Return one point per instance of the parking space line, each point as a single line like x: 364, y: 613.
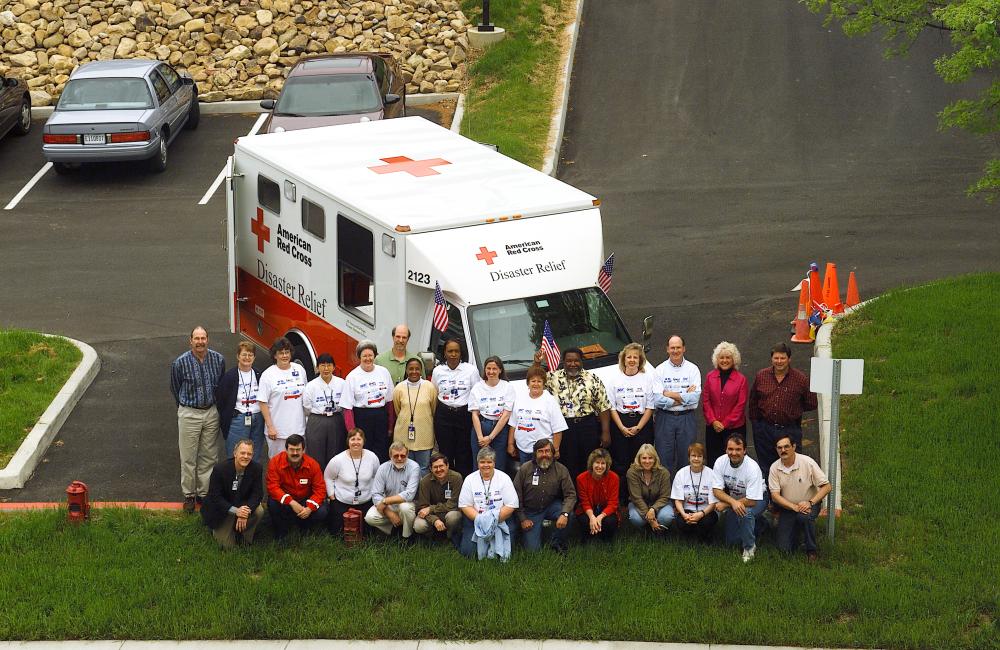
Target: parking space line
x: 222, y: 174
x: 27, y: 187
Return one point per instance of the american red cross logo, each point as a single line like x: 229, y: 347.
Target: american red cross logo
x: 258, y: 228
x: 486, y: 255
x: 410, y: 166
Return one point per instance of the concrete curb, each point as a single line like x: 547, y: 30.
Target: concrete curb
x: 244, y: 107
x: 456, y: 119
x: 558, y: 124
x: 30, y: 453
x: 409, y: 644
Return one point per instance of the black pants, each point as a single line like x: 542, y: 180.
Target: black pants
x: 702, y: 529
x: 375, y: 424
x: 623, y: 450
x: 283, y: 518
x: 582, y: 437
x: 451, y: 430
x: 715, y: 442
x: 766, y: 435
x: 325, y: 437
x: 335, y: 521
x: 609, y: 526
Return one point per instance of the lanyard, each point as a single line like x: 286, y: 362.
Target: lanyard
x: 415, y: 399
x: 486, y: 489
x: 357, y: 469
x: 697, y: 488
x: 247, y: 387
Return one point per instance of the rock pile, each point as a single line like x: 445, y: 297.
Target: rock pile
x: 233, y: 49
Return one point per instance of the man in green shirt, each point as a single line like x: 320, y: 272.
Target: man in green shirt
x: 394, y: 359
x: 437, y: 500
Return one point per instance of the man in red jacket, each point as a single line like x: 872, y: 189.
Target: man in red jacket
x: 295, y: 489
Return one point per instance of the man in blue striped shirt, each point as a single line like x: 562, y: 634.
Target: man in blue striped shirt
x: 193, y: 378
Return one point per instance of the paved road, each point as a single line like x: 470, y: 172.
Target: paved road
x: 731, y: 144
x: 734, y: 142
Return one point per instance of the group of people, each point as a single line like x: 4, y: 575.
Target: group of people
x: 398, y: 448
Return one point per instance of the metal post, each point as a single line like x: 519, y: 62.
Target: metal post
x: 486, y: 26
x: 831, y: 508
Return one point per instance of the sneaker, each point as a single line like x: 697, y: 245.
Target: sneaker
x: 748, y: 553
x: 189, y: 504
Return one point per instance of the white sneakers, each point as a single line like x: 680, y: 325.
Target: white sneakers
x: 748, y: 553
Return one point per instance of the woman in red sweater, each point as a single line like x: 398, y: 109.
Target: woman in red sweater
x: 723, y: 398
x: 597, y: 498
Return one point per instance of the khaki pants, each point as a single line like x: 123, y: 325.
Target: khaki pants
x: 200, y: 445
x: 226, y: 534
x: 452, y: 522
x: 406, y: 512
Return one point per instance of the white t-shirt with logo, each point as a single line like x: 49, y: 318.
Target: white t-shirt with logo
x: 739, y: 482
x: 694, y: 490
x: 488, y: 495
x: 319, y: 395
x: 246, y: 391
x: 454, y: 386
x: 282, y: 391
x: 678, y: 379
x: 367, y: 390
x: 633, y: 394
x: 491, y: 401
x: 535, y: 419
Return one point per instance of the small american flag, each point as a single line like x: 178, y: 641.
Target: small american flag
x: 549, y: 347
x: 440, y: 310
x: 604, y: 275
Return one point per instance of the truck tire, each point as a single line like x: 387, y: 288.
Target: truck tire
x: 300, y: 355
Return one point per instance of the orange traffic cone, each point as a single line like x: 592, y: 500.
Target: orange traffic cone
x: 831, y: 289
x: 801, y: 334
x: 815, y: 288
x: 852, y: 291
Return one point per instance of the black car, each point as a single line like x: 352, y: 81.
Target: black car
x: 15, y: 106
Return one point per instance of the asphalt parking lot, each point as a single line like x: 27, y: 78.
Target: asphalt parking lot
x: 127, y: 261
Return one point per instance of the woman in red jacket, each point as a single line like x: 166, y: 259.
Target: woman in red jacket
x: 597, y: 498
x: 723, y: 398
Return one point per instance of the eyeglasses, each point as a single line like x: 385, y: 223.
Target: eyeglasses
x: 784, y: 446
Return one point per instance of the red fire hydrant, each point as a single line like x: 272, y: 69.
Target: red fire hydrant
x: 352, y: 527
x: 78, y: 500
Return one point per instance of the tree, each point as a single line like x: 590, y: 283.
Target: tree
x: 972, y: 25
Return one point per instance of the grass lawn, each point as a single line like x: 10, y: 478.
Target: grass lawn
x: 510, y: 98
x: 914, y: 565
x: 33, y: 368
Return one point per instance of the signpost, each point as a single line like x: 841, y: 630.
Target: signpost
x: 835, y: 377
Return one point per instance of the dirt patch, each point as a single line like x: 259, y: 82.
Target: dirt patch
x: 442, y: 112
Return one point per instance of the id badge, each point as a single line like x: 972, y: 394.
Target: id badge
x: 236, y: 485
x: 411, y: 432
x: 447, y: 492
x: 357, y: 495
x: 328, y: 411
x: 247, y: 419
x: 534, y: 479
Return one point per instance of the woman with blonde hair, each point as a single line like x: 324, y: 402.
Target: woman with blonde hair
x: 631, y: 392
x: 723, y: 400
x: 649, y: 491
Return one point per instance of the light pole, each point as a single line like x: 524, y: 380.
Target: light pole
x: 485, y: 25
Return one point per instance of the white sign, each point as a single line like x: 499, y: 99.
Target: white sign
x: 851, y: 374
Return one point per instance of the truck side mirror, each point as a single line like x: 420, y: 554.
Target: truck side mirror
x: 267, y: 104
x: 429, y: 361
x: 391, y: 98
x: 647, y: 332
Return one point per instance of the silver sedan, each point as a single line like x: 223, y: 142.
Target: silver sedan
x: 118, y: 111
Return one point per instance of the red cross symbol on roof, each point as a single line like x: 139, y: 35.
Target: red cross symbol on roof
x: 258, y: 228
x: 410, y: 166
x: 486, y: 255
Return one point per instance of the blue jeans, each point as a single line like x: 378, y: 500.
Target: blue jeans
x: 254, y: 433
x: 673, y: 434
x: 766, y: 436
x: 499, y: 444
x: 422, y: 458
x: 790, y: 524
x: 524, y: 456
x: 532, y: 539
x: 745, y: 529
x: 665, y: 516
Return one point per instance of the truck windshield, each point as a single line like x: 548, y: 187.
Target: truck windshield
x: 512, y: 329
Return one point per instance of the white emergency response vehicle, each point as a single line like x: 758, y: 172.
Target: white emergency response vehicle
x: 336, y: 234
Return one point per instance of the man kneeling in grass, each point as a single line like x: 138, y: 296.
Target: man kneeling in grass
x: 798, y: 487
x: 232, y: 506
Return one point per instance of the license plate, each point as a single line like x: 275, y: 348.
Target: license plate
x: 93, y: 138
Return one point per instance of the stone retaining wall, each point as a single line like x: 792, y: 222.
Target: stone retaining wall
x: 233, y: 50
